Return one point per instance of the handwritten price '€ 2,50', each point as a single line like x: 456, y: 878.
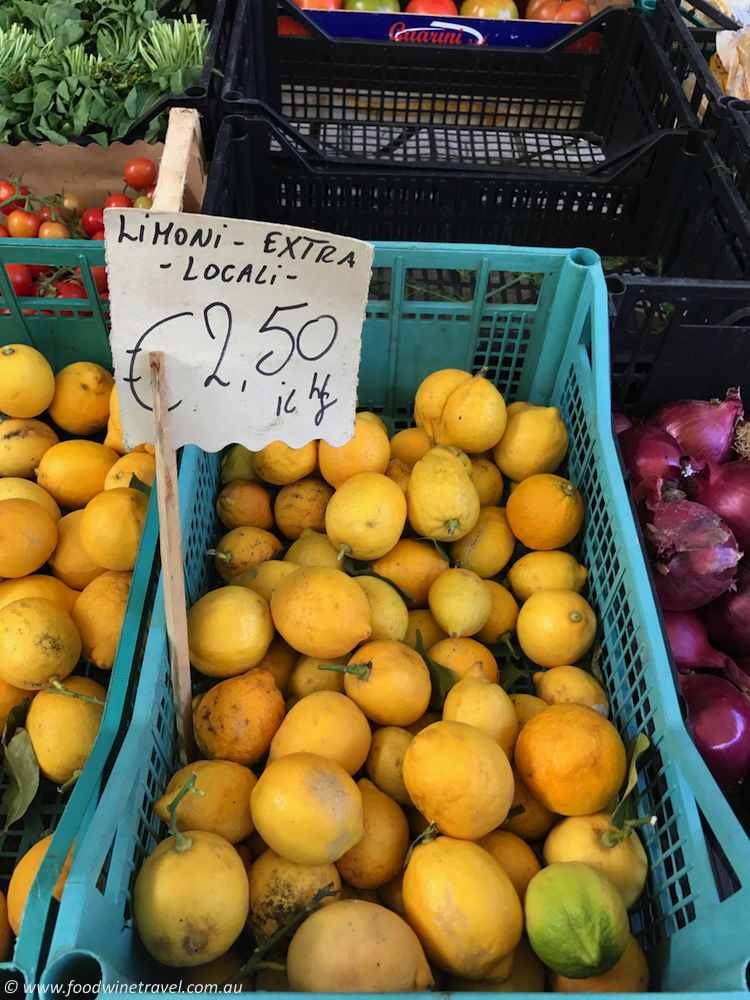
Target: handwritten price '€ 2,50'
x: 312, y: 342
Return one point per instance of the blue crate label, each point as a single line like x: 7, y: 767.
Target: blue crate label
x: 260, y: 325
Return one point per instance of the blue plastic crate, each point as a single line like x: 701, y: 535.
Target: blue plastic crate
x: 63, y: 340
x: 542, y: 334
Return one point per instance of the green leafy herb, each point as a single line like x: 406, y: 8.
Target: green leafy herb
x: 443, y: 678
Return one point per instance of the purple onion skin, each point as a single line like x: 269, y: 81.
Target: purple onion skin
x: 719, y: 716
x: 726, y: 490
x: 650, y: 454
x: 624, y: 421
x: 703, y: 430
x: 728, y: 617
x: 688, y: 640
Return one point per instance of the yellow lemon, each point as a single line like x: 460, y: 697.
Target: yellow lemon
x: 98, y: 615
x: 488, y: 481
x: 377, y: 420
x: 224, y: 807
x: 27, y: 383
x: 217, y: 972
x: 432, y: 396
x: 487, y: 547
x: 629, y: 975
x: 571, y: 684
x: 63, y: 729
x: 243, y: 548
x: 313, y: 548
x: 81, y: 401
x: 24, y: 874
x: 428, y: 628
x: 528, y: 976
x: 380, y: 854
x: 535, y: 441
x: 368, y: 451
x: 307, y: 678
x: 22, y: 444
x: 459, y: 778
x: 307, y: 809
x: 73, y: 472
x: 545, y: 512
x: 264, y: 577
x: 328, y: 724
x: 302, y: 505
x: 460, y: 655
x: 389, y: 681
x: 280, y: 465
x: 501, y: 623
x: 413, y: 566
x: 69, y: 562
x: 389, y: 618
x: 365, y: 516
x: 244, y: 504
x: 11, y: 696
x: 536, y: 820
x: 238, y: 464
x: 514, y: 856
x: 229, y: 631
x: 111, y: 527
x: 473, y: 418
x: 555, y: 627
x: 321, y: 612
x: 399, y: 473
x: 28, y: 536
x: 551, y: 570
x: 280, y: 888
x: 463, y: 907
x: 460, y: 602
x: 442, y: 501
x: 410, y: 445
x: 385, y: 762
x: 14, y: 488
x: 526, y: 706
x: 237, y: 718
x: 391, y: 894
x: 280, y: 661
x: 136, y: 463
x: 480, y: 703
x: 423, y: 722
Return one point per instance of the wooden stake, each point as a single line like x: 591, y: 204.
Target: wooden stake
x: 172, y: 571
x: 184, y: 123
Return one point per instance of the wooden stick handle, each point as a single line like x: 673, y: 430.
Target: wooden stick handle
x: 172, y: 572
x: 170, y: 186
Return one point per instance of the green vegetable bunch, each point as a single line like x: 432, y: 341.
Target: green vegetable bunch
x: 71, y: 68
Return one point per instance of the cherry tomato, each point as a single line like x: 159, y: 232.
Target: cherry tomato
x: 570, y: 11
x: 118, y: 201
x: 39, y: 270
x: 23, y: 225
x: 53, y: 231
x: 503, y: 10
x: 437, y: 8
x: 589, y: 43
x: 20, y: 278
x: 3, y: 232
x: 48, y: 213
x: 151, y: 192
x: 7, y: 190
x: 139, y: 173
x: 99, y: 235
x: 99, y: 274
x: 142, y: 202
x: 288, y: 26
x: 92, y: 220
x: 74, y: 205
x: 70, y: 290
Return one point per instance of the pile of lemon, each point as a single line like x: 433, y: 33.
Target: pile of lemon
x: 328, y: 746
x: 70, y: 527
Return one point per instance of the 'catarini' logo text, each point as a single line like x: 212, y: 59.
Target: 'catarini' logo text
x: 438, y: 33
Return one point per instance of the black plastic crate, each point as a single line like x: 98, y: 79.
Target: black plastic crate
x: 457, y: 107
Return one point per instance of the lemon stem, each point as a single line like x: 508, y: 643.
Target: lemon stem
x: 225, y: 557
x: 70, y: 782
x: 58, y: 688
x: 274, y: 966
x: 452, y: 525
x: 8, y: 350
x: 255, y: 962
x: 344, y: 550
x: 504, y: 640
x: 426, y: 836
x: 611, y: 838
x: 361, y: 670
x: 575, y: 616
x: 482, y: 372
x: 182, y: 843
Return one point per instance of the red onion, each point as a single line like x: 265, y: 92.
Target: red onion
x: 719, y: 716
x: 689, y: 641
x: 739, y: 673
x: 650, y: 454
x: 728, y: 618
x: 705, y: 431
x: 726, y: 490
x: 696, y: 554
x: 624, y: 421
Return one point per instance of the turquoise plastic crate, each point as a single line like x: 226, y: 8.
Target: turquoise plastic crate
x: 64, y: 339
x: 545, y: 341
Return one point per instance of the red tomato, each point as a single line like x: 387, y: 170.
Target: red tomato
x: 118, y: 201
x: 569, y: 11
x: 99, y: 235
x: 151, y: 192
x: 70, y: 290
x: 288, y: 26
x: 39, y: 270
x: 99, y: 274
x: 503, y: 10
x: 23, y: 225
x: 318, y: 4
x: 139, y: 173
x: 20, y: 278
x: 3, y: 232
x: 589, y: 43
x: 437, y: 8
x: 53, y: 231
x: 7, y: 190
x: 74, y: 205
x: 92, y: 220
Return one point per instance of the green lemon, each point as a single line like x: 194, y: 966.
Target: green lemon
x: 576, y: 920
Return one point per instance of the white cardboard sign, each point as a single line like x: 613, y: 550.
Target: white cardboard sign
x: 260, y: 325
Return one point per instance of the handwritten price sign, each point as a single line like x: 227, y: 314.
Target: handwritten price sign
x: 260, y: 325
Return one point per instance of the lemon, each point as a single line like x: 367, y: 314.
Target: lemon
x: 368, y: 451
x: 111, y: 527
x: 487, y: 547
x: 280, y: 888
x: 22, y: 444
x: 224, y: 807
x: 281, y: 465
x: 526, y: 707
x: 280, y: 661
x: 243, y: 548
x: 629, y: 975
x: 390, y: 683
x: 413, y: 566
x: 307, y: 678
x: 63, y: 729
x: 571, y: 684
x: 442, y: 501
x: 136, y: 463
x: 399, y: 473
x: 576, y: 920
x: 460, y: 602
x: 328, y: 724
x: 69, y: 562
x: 535, y: 441
x: 11, y: 696
x: 432, y: 396
x: 38, y: 640
x: 422, y: 621
x: 81, y: 401
x: 13, y: 488
x: 190, y: 906
x: 264, y: 577
x: 237, y: 718
x: 480, y: 703
x: 321, y: 612
x: 410, y: 445
x: 385, y: 762
x: 307, y: 809
x: 27, y: 383
x: 536, y: 820
x: 238, y: 464
x: 555, y: 627
x: 473, y: 418
x: 229, y: 631
x: 528, y: 976
x: 545, y: 512
x: 550, y: 570
x: 74, y: 472
x: 460, y: 778
x: 28, y: 536
x: 313, y: 548
x: 460, y: 655
x: 514, y: 856
x: 244, y: 504
x: 302, y: 505
x: 501, y: 623
x: 488, y: 481
x: 391, y: 894
x: 463, y: 907
x: 23, y: 876
x: 374, y: 418
x: 98, y: 615
x: 380, y: 854
x: 365, y: 516
x: 389, y: 618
